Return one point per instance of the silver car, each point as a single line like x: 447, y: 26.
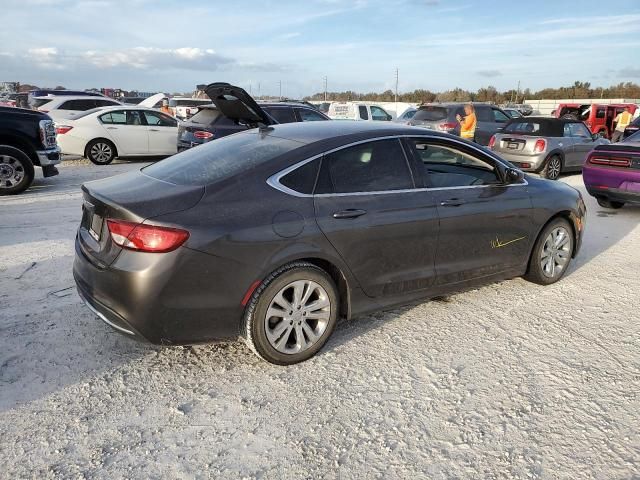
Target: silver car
x: 548, y: 146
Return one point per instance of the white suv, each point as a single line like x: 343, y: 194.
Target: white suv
x: 184, y: 108
x: 357, y: 111
x: 59, y: 107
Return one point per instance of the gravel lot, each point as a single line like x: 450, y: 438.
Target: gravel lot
x: 511, y: 380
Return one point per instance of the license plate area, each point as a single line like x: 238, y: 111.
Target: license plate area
x: 513, y: 145
x: 92, y: 221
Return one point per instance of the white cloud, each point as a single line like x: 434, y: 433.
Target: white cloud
x: 188, y: 58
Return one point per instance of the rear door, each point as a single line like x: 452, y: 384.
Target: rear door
x: 383, y: 228
x: 128, y: 131
x: 485, y: 225
x: 162, y: 131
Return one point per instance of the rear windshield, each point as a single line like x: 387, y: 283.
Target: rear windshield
x: 205, y: 116
x: 187, y: 102
x: 431, y: 114
x: 38, y: 102
x: 220, y: 159
x: 522, y: 126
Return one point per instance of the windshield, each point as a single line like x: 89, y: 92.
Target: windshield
x: 221, y: 159
x: 205, y: 116
x: 431, y: 114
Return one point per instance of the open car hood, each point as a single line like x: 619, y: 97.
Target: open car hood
x: 235, y: 103
x: 152, y: 100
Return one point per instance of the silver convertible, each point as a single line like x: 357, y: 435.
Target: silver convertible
x: 548, y: 146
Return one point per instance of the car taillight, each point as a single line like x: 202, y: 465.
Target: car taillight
x: 146, y: 238
x: 611, y: 161
x: 62, y: 129
x: 447, y: 126
x: 540, y: 146
x: 202, y: 135
x: 492, y: 141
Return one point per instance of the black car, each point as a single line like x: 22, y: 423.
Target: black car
x: 222, y: 118
x: 274, y: 233
x: 442, y: 117
x: 633, y: 127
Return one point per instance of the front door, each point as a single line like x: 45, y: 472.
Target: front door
x: 485, y: 225
x: 385, y: 230
x: 126, y: 128
x: 163, y: 133
x: 583, y: 143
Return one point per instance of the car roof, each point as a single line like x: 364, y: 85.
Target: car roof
x: 456, y: 104
x: 284, y: 104
x: 74, y: 97
x: 546, y: 119
x: 309, y: 132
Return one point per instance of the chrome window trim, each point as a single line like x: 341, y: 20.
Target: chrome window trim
x: 274, y: 180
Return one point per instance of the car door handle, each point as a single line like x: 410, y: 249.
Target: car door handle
x: 452, y: 202
x: 112, y: 128
x: 349, y: 213
x: 154, y: 130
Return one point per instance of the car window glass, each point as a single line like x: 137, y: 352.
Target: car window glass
x: 378, y: 113
x: 134, y: 117
x: 206, y: 116
x: 566, y: 131
x: 80, y: 105
x: 159, y: 119
x: 367, y: 167
x: 579, y: 130
x: 409, y: 115
x: 499, y: 117
x: 430, y: 114
x: 308, y: 115
x: 523, y: 127
x: 483, y: 114
x: 104, y: 103
x: 281, y: 115
x: 115, y: 118
x: 362, y: 109
x: 303, y: 178
x: 444, y: 166
x: 600, y: 113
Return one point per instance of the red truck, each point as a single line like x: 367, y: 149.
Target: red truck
x: 598, y: 117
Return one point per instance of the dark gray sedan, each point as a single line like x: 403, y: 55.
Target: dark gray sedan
x: 273, y: 234
x: 548, y: 146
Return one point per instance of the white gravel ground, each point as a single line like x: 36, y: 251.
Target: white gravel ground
x: 509, y: 381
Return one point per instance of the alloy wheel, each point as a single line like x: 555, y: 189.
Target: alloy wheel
x: 101, y: 152
x: 12, y: 171
x: 553, y: 170
x: 556, y: 252
x: 297, y: 316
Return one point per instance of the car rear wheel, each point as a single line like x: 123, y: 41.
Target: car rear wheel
x: 606, y: 203
x: 551, y: 253
x: 552, y: 168
x: 16, y: 171
x: 291, y: 314
x: 101, y: 151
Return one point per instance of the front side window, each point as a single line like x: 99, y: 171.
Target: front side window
x: 118, y: 117
x: 579, y: 130
x: 379, y: 114
x: 444, y: 166
x: 483, y: 114
x: 308, y: 115
x: 499, y: 117
x: 368, y: 167
x: 362, y: 109
x: 158, y: 119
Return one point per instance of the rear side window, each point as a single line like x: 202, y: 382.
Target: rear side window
x: 364, y: 114
x: 303, y: 178
x: 114, y: 118
x: 80, y: 105
x: 499, y: 117
x: 431, y: 114
x: 600, y: 113
x: 105, y: 103
x: 524, y: 127
x: 224, y: 158
x: 308, y: 115
x: 367, y: 167
x: 282, y: 115
x: 484, y: 114
x: 39, y: 102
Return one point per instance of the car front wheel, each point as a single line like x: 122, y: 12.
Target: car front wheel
x: 291, y: 314
x: 552, y: 168
x: 16, y: 170
x: 551, y: 253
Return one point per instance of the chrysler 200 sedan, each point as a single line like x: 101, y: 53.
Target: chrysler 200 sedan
x: 275, y: 233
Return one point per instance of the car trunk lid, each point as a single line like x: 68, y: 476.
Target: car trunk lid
x: 133, y: 197
x: 236, y: 104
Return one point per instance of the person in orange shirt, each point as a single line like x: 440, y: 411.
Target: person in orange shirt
x: 467, y: 123
x: 165, y: 107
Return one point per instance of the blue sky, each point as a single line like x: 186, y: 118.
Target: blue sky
x: 172, y: 45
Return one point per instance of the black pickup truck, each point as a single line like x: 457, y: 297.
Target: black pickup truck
x: 27, y: 140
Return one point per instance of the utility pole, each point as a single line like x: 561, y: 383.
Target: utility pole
x: 325, y: 88
x: 396, y: 87
x: 280, y: 89
x: 258, y: 89
x: 518, y: 92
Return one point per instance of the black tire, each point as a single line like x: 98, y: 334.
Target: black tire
x: 101, y: 151
x: 535, y: 272
x: 552, y: 168
x: 16, y: 170
x: 606, y: 203
x: 254, y: 328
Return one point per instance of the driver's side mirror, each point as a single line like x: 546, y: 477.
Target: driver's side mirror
x: 388, y: 117
x: 513, y: 175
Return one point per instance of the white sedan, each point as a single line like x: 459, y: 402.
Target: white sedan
x: 103, y: 134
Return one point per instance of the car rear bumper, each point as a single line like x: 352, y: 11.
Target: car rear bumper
x: 527, y: 163
x: 617, y: 184
x: 50, y: 156
x: 164, y: 299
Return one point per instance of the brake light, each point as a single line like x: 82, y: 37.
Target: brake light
x: 447, y: 126
x: 613, y: 161
x: 146, y: 238
x: 540, y: 146
x: 202, y: 135
x: 62, y: 129
x: 492, y: 141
